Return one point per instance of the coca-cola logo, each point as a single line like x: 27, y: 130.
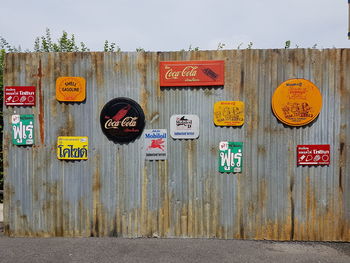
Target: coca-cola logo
x: 189, y: 71
x: 122, y: 120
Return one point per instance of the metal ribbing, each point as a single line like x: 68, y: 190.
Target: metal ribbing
x: 116, y: 193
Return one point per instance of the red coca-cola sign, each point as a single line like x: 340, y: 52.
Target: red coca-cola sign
x: 122, y: 120
x: 191, y: 73
x: 19, y: 96
x: 313, y: 154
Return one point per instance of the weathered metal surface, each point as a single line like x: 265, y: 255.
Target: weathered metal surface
x: 116, y: 193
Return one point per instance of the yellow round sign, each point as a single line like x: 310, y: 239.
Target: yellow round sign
x: 296, y: 102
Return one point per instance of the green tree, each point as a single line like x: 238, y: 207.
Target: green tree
x: 110, y: 47
x: 65, y: 43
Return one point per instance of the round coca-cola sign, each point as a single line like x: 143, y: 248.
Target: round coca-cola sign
x: 122, y: 120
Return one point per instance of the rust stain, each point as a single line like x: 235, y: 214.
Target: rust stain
x: 239, y: 222
x: 39, y: 75
x: 54, y: 209
x: 144, y: 100
x: 262, y: 149
x: 98, y: 63
x: 120, y: 181
x: 9, y: 192
x: 6, y: 143
x: 290, y: 171
x: 142, y: 69
x: 53, y: 107
x: 156, y: 84
x: 69, y: 125
x: 342, y: 159
x: 190, y: 147
x: 273, y: 131
x: 116, y: 67
x: 144, y: 203
x: 96, y: 188
x: 97, y: 176
x: 262, y: 194
x: 207, y: 205
x: 214, y: 150
x: 163, y: 211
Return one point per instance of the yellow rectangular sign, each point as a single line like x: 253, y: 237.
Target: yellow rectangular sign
x: 71, y: 89
x: 72, y: 148
x: 229, y: 113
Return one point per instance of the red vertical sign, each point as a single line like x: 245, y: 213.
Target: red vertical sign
x: 313, y: 154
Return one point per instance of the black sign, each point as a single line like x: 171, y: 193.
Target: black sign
x: 122, y: 120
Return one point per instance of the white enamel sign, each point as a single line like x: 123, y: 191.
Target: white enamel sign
x: 184, y: 126
x: 155, y: 144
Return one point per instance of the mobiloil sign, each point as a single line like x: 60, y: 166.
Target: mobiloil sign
x: 122, y: 120
x: 155, y: 144
x: 230, y: 157
x: 22, y: 129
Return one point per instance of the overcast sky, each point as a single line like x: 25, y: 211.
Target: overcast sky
x: 164, y: 25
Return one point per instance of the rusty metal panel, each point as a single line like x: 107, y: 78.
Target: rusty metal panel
x: 116, y: 193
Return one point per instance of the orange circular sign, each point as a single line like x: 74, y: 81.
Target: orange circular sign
x: 296, y: 102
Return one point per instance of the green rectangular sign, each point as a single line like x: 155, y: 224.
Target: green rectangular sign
x: 230, y: 157
x: 23, y: 129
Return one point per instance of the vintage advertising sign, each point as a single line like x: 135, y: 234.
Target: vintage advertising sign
x: 19, y: 96
x: 184, y: 126
x: 192, y: 73
x: 72, y: 148
x: 297, y: 102
x: 155, y: 144
x: 230, y: 157
x: 313, y: 154
x: 22, y: 129
x: 229, y: 113
x: 71, y: 89
x: 122, y: 120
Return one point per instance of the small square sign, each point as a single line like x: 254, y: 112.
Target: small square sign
x: 19, y: 96
x: 22, y: 129
x: 70, y: 89
x: 229, y: 113
x: 155, y: 144
x: 184, y: 126
x: 72, y: 148
x: 317, y: 154
x: 230, y: 157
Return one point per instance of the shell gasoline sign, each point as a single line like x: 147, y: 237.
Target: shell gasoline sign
x: 71, y: 89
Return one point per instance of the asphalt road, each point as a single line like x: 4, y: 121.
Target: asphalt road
x: 167, y: 250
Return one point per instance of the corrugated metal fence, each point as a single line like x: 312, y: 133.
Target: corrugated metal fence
x: 117, y: 193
